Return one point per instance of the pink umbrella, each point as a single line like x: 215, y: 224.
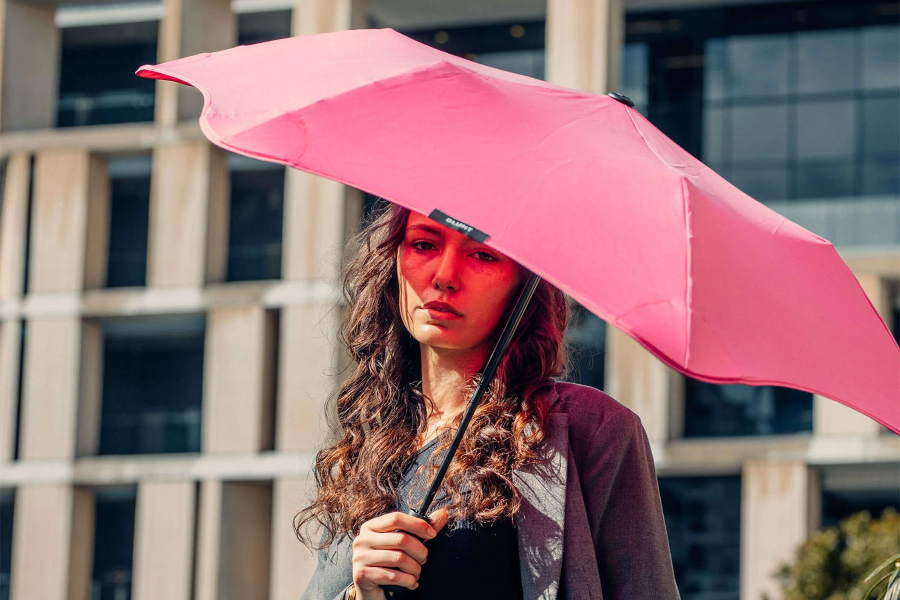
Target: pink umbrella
x: 577, y: 187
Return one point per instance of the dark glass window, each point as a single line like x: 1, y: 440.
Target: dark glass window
x: 586, y: 339
x: 895, y: 313
x: 3, y: 165
x: 19, y: 387
x: 97, y: 84
x: 7, y: 504
x: 516, y: 47
x: 713, y: 410
x: 837, y: 505
x: 152, y: 385
x: 849, y: 489
x: 256, y: 221
x: 128, y: 222
x: 787, y: 101
x: 113, y: 543
x: 257, y: 27
x: 25, y: 273
x: 703, y: 523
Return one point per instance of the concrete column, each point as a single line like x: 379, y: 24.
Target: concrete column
x: 234, y: 540
x: 780, y: 508
x: 292, y: 563
x: 246, y: 541
x: 644, y: 384
x: 189, y: 27
x: 584, y: 41
x: 315, y: 207
x: 239, y: 380
x: 13, y: 225
x: 90, y: 389
x: 309, y: 351
x: 833, y: 418
x: 164, y: 540
x: 28, y: 71
x: 209, y: 517
x: 10, y: 341
x: 71, y: 189
x: 322, y: 16
x: 52, y: 549
x: 50, y: 393
x: 188, y: 215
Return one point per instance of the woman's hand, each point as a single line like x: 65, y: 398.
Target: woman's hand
x: 384, y: 556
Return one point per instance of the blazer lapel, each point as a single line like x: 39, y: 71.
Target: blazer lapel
x: 542, y: 512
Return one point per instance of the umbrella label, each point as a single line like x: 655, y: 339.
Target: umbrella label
x: 444, y: 219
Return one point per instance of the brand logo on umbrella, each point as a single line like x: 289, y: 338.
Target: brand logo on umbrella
x: 452, y: 223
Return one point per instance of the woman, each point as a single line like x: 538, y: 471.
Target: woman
x: 553, y: 491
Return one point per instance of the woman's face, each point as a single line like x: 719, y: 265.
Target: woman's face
x: 438, y: 264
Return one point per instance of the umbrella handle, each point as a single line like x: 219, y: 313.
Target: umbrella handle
x: 396, y: 592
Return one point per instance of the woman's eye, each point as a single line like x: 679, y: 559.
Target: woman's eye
x: 490, y: 258
x: 420, y: 242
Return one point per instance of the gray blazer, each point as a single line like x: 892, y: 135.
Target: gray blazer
x: 591, y: 524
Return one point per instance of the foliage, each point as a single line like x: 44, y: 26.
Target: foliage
x: 834, y: 563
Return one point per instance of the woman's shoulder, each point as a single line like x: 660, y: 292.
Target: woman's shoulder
x: 590, y: 410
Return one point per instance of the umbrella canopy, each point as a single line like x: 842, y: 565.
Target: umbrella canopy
x: 579, y: 188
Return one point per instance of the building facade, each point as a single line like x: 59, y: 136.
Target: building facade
x: 169, y: 311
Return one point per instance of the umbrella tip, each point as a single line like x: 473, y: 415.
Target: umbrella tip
x: 621, y: 98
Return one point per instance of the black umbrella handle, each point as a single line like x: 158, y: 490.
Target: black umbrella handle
x: 487, y: 375
x: 395, y: 592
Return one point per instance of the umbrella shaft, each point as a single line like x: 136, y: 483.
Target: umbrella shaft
x: 486, y: 377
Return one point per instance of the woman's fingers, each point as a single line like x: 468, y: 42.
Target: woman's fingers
x: 382, y: 576
x: 395, y: 540
x: 393, y: 559
x: 398, y: 520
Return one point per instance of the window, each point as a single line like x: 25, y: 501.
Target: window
x: 795, y: 115
x: 152, y: 385
x: 256, y: 221
x: 849, y: 489
x: 895, y: 311
x: 128, y: 221
x: 113, y: 543
x: 714, y: 410
x: 257, y: 27
x: 97, y: 84
x: 703, y: 523
x: 586, y: 338
x: 7, y: 504
x: 787, y: 102
x: 19, y: 388
x: 516, y: 47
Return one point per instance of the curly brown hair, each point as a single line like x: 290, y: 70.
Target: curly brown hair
x: 381, y: 408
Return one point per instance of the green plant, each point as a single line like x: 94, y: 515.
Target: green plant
x: 843, y: 562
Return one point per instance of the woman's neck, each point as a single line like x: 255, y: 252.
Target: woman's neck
x: 444, y: 377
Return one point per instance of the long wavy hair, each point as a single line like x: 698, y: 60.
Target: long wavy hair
x: 381, y: 408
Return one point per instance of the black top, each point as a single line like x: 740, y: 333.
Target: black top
x: 465, y: 560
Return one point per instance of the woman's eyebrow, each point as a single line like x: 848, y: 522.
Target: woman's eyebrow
x: 426, y: 228
x: 434, y: 230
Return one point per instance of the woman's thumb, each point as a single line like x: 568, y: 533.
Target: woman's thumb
x: 439, y: 518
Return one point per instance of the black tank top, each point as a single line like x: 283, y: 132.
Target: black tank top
x: 466, y: 559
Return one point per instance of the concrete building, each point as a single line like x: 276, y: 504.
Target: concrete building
x: 168, y: 312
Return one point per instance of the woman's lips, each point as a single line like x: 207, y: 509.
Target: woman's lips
x: 441, y: 314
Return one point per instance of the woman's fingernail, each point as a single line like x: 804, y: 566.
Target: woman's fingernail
x: 431, y: 532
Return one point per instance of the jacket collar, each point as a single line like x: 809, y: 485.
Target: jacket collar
x: 540, y: 522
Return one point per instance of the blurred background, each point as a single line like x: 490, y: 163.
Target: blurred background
x: 169, y: 311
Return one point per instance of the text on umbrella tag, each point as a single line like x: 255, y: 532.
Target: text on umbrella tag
x: 444, y: 219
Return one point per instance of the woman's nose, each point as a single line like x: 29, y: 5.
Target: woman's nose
x: 446, y: 277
